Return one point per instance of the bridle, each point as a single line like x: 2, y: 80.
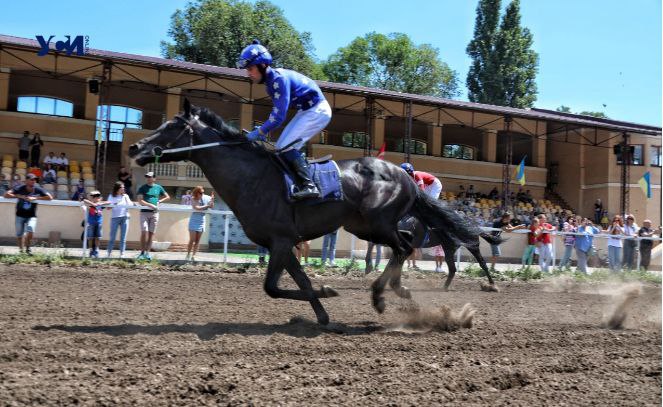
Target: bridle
x: 192, y: 127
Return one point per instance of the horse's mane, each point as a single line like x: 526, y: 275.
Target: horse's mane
x: 216, y: 122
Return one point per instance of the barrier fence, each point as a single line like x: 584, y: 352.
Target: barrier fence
x: 227, y: 214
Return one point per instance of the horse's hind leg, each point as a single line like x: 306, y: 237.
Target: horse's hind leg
x: 395, y: 280
x: 482, y: 263
x: 368, y: 260
x: 450, y: 252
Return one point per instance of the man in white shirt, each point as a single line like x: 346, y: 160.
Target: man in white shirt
x: 50, y: 159
x: 63, y: 162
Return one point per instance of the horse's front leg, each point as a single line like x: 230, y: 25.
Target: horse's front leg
x: 304, y: 283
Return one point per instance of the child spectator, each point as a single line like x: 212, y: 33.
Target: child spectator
x: 50, y: 176
x: 569, y: 241
x: 186, y: 198
x: 531, y: 242
x: 200, y: 203
x: 94, y: 221
x: 605, y: 220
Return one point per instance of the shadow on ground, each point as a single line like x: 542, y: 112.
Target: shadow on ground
x: 297, y: 327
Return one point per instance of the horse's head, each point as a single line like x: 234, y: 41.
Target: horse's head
x: 192, y: 127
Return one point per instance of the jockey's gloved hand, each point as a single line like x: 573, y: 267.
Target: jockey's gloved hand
x: 255, y: 135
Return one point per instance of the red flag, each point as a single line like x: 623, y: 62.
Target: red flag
x: 381, y: 152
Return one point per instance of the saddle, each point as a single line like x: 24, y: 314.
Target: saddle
x: 326, y: 175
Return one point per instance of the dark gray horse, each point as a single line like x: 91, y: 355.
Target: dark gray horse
x: 249, y: 179
x: 422, y: 237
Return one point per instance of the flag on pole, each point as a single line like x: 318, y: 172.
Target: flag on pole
x: 645, y: 184
x: 381, y: 152
x: 520, y: 172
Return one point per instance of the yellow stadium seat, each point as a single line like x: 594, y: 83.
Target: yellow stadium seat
x: 74, y: 168
x: 21, y: 164
x: 7, y: 170
x: 7, y: 163
x: 86, y: 164
x: 21, y: 171
x: 88, y: 176
x: 89, y: 189
x: 62, y: 174
x: 73, y: 163
x: 8, y: 157
x: 62, y: 180
x: 87, y: 170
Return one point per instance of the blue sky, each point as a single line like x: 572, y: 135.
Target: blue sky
x: 592, y: 52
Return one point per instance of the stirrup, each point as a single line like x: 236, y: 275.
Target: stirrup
x: 307, y: 193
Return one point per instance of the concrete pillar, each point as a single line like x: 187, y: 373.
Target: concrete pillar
x: 246, y: 116
x: 91, y: 105
x: 489, y: 146
x: 539, y: 151
x: 173, y: 102
x: 434, y: 141
x: 4, y: 88
x: 377, y: 132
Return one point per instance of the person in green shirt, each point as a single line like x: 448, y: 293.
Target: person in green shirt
x: 150, y: 195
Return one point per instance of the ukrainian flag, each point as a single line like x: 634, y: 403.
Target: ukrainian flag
x: 645, y: 184
x: 520, y: 172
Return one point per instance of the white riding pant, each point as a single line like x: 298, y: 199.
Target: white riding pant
x: 433, y: 190
x: 305, y: 125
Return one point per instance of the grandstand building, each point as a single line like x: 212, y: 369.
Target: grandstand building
x: 94, y: 106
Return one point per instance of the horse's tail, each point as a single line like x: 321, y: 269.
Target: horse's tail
x: 445, y: 222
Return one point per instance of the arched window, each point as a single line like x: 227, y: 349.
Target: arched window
x: 458, y: 151
x: 45, y: 105
x: 114, y: 118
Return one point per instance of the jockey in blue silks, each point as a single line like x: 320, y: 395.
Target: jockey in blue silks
x: 288, y: 88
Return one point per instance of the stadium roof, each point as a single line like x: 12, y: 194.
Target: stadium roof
x: 239, y: 74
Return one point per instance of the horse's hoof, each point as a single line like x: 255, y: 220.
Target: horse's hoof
x: 445, y: 288
x: 328, y: 292
x: 367, y: 270
x: 489, y: 288
x: 379, y: 305
x: 405, y: 293
x: 323, y: 319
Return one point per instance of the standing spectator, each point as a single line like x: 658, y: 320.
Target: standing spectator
x: 94, y: 221
x: 630, y: 245
x: 186, y: 198
x: 598, y: 211
x: 262, y: 253
x: 150, y: 195
x: 35, y: 150
x: 50, y: 159
x: 119, y: 217
x: 79, y: 194
x: 24, y: 146
x: 494, y: 193
x: 461, y: 192
x: 471, y: 193
x: 545, y: 244
x: 646, y: 245
x: 378, y: 255
x: 26, y: 210
x: 616, y: 231
x: 63, y: 162
x: 531, y: 242
x: 438, y: 252
x: 302, y: 249
x: 50, y: 176
x: 583, y: 243
x: 125, y: 177
x: 569, y: 241
x: 605, y: 220
x: 329, y: 248
x: 200, y: 203
x: 503, y: 223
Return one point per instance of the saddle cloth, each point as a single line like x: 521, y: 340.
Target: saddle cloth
x: 327, y: 177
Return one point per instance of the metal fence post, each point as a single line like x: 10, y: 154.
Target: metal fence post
x: 225, y: 238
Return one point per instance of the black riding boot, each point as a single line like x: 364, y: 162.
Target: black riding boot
x: 305, y: 186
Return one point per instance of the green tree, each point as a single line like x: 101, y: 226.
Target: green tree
x: 482, y: 76
x: 215, y: 31
x: 504, y: 67
x: 566, y: 109
x: 392, y: 62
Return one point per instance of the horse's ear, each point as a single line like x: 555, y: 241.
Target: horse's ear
x: 187, y: 107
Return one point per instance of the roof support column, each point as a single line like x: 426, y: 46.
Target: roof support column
x: 5, y: 73
x: 377, y: 132
x: 173, y: 102
x: 539, y: 151
x: 434, y: 140
x: 489, y: 146
x: 246, y: 116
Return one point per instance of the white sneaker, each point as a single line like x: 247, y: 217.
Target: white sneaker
x: 438, y: 270
x: 193, y: 258
x: 187, y: 258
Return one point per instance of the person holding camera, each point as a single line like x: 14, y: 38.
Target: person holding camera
x: 615, y: 243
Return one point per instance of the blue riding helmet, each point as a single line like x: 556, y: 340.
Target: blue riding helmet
x: 407, y: 167
x: 254, y: 54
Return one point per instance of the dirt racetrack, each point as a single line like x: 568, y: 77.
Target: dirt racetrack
x: 104, y: 336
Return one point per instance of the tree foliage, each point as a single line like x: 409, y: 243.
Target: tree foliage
x: 504, y: 67
x: 392, y: 62
x: 566, y: 109
x: 215, y: 31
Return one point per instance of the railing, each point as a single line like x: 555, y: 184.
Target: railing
x: 163, y: 170
x: 176, y: 170
x: 193, y: 171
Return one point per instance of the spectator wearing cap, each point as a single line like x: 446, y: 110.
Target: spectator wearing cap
x: 94, y: 221
x: 151, y: 195
x: 26, y: 210
x: 503, y: 223
x: 24, y: 146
